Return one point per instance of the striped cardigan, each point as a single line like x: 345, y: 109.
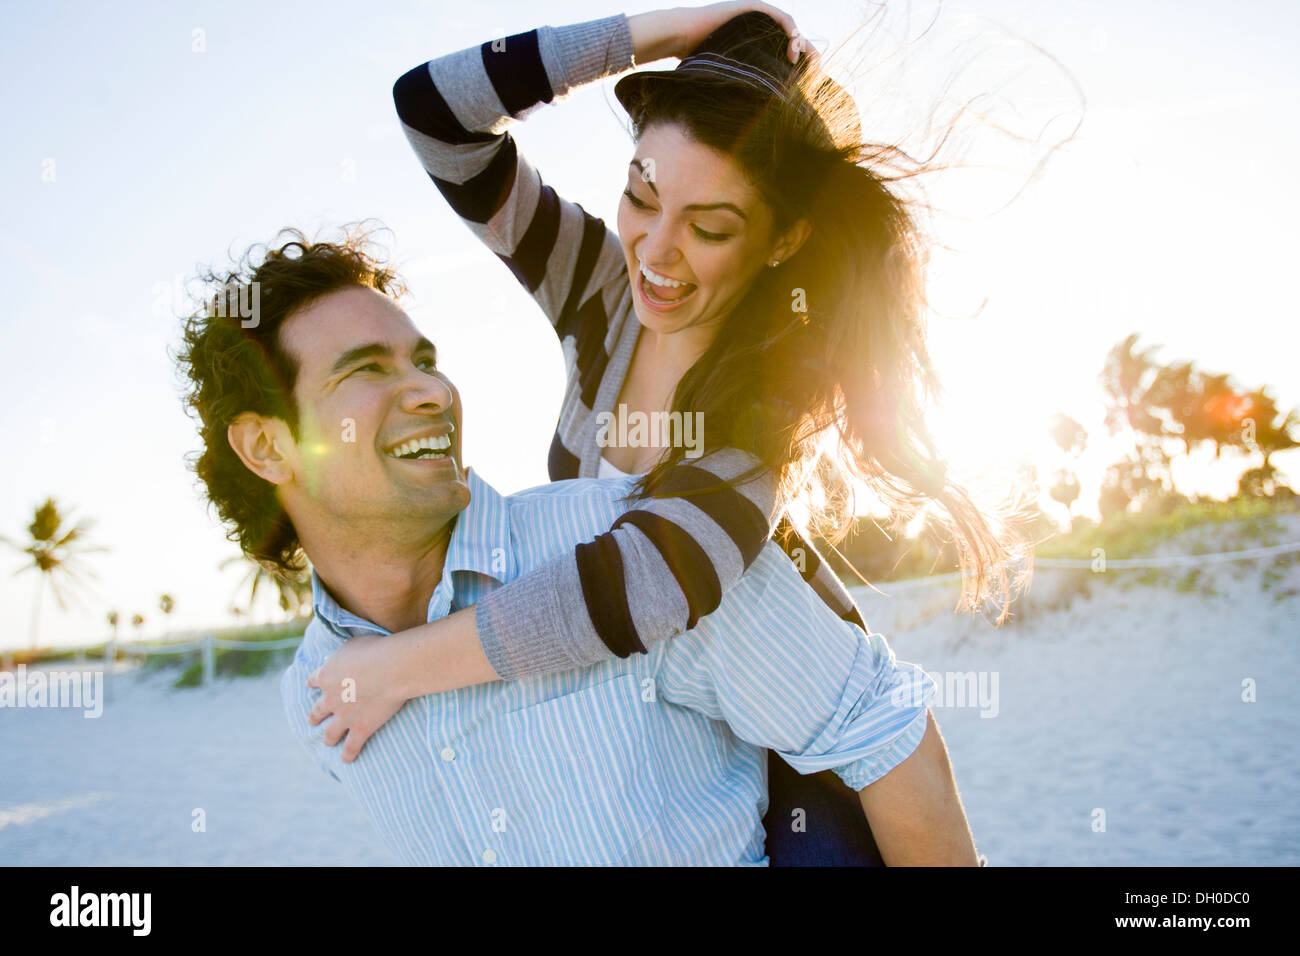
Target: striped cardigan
x: 665, y: 564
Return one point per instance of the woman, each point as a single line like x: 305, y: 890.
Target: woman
x: 763, y: 281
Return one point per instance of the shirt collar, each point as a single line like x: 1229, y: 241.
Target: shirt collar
x: 480, y: 543
x: 332, y: 614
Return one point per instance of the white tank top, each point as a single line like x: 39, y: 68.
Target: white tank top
x: 606, y: 470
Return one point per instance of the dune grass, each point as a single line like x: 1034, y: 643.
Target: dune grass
x: 227, y: 662
x: 1137, y: 534
x: 1140, y: 533
x: 1249, y: 522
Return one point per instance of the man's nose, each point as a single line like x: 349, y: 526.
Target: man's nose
x: 424, y: 392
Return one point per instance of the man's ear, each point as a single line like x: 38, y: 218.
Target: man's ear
x: 792, y: 241
x: 264, y: 445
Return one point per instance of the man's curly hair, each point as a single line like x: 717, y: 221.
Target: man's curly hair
x: 230, y: 369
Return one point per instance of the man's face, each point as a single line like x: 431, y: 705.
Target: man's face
x: 379, y: 425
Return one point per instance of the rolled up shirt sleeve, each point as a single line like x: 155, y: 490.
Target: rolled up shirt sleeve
x: 784, y: 672
x: 880, y: 721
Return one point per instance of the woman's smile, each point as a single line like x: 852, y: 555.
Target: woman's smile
x: 661, y: 293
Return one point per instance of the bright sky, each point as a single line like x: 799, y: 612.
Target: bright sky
x: 1171, y: 212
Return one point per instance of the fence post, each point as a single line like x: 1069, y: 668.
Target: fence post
x: 110, y: 656
x: 209, y: 660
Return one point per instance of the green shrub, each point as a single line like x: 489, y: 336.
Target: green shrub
x: 192, y: 677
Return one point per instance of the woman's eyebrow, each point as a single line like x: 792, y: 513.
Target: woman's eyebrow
x: 705, y: 207
x: 693, y: 207
x: 636, y: 163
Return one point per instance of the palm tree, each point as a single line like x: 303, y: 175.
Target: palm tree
x: 1127, y: 481
x: 114, y: 619
x: 166, y: 604
x: 1221, y: 411
x: 1065, y: 490
x: 1270, y: 435
x: 1072, y: 439
x: 293, y: 593
x: 1177, y: 391
x: 1126, y: 379
x: 1069, y: 435
x: 55, y: 550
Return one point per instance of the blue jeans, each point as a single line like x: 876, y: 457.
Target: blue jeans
x: 836, y: 832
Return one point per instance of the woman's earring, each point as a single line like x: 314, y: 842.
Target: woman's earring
x: 775, y: 263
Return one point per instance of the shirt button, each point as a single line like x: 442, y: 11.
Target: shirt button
x: 489, y: 856
x: 448, y: 754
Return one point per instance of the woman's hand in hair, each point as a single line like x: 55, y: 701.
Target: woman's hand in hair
x: 678, y: 31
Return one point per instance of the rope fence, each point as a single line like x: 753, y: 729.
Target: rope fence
x: 1171, y: 561
x: 207, y: 645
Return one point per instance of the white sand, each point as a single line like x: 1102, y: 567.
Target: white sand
x: 121, y: 789
x: 1128, y: 701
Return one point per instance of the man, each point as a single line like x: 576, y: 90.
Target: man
x: 329, y: 431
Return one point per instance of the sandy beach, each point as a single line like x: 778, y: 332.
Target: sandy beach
x: 1109, y: 731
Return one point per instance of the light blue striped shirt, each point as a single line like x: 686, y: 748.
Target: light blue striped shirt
x: 655, y: 759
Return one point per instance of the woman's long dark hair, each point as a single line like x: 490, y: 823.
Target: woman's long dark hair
x: 853, y: 368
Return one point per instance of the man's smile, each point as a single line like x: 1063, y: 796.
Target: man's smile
x: 433, y: 443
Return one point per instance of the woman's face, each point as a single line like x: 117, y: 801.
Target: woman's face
x: 689, y: 214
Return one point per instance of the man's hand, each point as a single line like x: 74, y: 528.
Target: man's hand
x: 361, y: 687
x: 915, y: 812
